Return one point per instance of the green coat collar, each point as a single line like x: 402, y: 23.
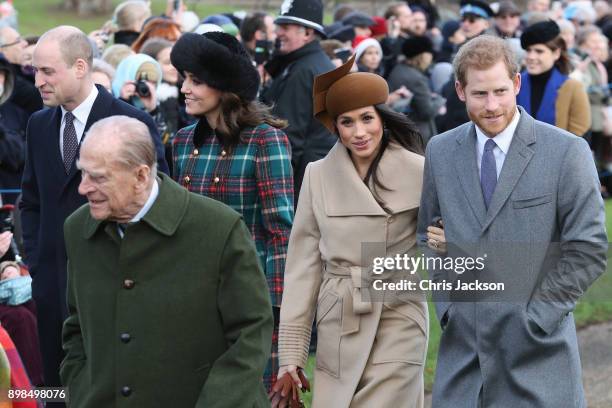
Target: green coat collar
x: 164, y: 216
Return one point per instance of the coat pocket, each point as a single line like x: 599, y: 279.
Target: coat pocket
x: 531, y: 202
x: 329, y: 330
x: 402, y: 335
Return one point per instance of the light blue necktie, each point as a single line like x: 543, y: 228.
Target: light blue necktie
x: 488, y: 172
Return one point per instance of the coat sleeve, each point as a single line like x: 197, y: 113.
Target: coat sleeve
x: 275, y: 189
x: 429, y: 212
x: 302, y: 281
x: 30, y: 205
x: 72, y: 340
x: 235, y: 378
x: 579, y: 120
x: 583, y: 240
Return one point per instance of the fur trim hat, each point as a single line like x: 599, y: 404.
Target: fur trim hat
x: 340, y: 90
x: 361, y: 44
x: 219, y: 60
x: 414, y: 46
x: 539, y: 33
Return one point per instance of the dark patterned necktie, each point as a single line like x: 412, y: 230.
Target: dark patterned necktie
x: 488, y: 172
x: 70, y: 144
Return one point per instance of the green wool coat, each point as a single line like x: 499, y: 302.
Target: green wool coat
x: 175, y: 314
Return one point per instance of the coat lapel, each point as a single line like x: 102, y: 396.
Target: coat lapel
x: 519, y: 155
x: 57, y: 163
x: 467, y: 170
x: 345, y: 194
x: 99, y: 110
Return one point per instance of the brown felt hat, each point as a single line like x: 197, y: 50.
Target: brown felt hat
x: 339, y: 91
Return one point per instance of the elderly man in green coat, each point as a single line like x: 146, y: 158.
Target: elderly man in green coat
x: 168, y: 304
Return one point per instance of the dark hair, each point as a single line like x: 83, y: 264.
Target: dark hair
x: 237, y: 114
x: 399, y: 130
x: 251, y: 24
x: 563, y: 64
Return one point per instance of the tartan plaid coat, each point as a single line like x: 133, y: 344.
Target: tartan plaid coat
x: 255, y: 178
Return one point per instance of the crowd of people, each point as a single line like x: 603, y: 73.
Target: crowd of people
x: 420, y: 126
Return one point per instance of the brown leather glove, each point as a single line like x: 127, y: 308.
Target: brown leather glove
x: 286, y: 394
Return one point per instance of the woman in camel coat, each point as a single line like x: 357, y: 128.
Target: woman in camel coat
x: 358, y: 203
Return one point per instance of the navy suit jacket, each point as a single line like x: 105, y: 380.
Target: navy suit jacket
x: 50, y: 196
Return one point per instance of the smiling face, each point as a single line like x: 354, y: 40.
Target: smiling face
x: 58, y: 83
x: 112, y: 190
x: 360, y: 131
x: 490, y: 97
x: 508, y: 23
x: 539, y: 58
x: 292, y: 37
x: 200, y: 99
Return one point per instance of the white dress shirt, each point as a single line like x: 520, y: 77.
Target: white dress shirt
x: 81, y: 113
x: 146, y: 207
x: 502, y: 143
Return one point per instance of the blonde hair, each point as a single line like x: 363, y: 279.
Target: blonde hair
x: 131, y: 12
x: 482, y: 53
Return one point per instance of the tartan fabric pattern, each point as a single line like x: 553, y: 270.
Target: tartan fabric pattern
x: 255, y: 178
x: 13, y: 371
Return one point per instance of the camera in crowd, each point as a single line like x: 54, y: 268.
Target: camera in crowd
x: 142, y: 89
x: 6, y: 218
x: 263, y: 50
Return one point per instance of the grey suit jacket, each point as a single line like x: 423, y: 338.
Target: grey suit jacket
x: 544, y: 235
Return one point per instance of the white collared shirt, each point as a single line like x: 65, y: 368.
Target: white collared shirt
x: 81, y: 113
x: 502, y: 143
x: 146, y: 207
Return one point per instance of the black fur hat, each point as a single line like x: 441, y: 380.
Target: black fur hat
x: 219, y: 60
x: 539, y: 33
x: 414, y: 46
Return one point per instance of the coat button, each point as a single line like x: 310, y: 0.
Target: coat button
x: 196, y: 152
x: 390, y: 220
x: 187, y: 179
x: 128, y: 284
x: 126, y: 391
x: 216, y: 180
x: 223, y: 153
x: 125, y: 337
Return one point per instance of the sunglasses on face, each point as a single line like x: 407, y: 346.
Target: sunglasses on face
x: 469, y: 19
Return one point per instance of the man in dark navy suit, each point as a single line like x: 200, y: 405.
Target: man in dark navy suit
x: 62, y: 60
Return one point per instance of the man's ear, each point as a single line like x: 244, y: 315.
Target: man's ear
x: 259, y: 35
x: 82, y: 67
x: 517, y: 83
x: 460, y: 91
x: 143, y: 174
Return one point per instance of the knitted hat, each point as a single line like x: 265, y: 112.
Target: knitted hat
x: 414, y: 46
x: 450, y: 28
x: 340, y: 91
x: 539, y: 33
x: 219, y: 60
x: 507, y: 8
x: 361, y: 44
x: 307, y: 13
x: 379, y: 27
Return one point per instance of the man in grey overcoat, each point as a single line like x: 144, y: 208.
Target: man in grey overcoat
x: 524, y: 196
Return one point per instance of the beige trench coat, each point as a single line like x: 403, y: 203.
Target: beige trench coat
x: 370, y: 350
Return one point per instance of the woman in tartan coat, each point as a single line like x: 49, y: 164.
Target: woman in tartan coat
x: 236, y: 152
